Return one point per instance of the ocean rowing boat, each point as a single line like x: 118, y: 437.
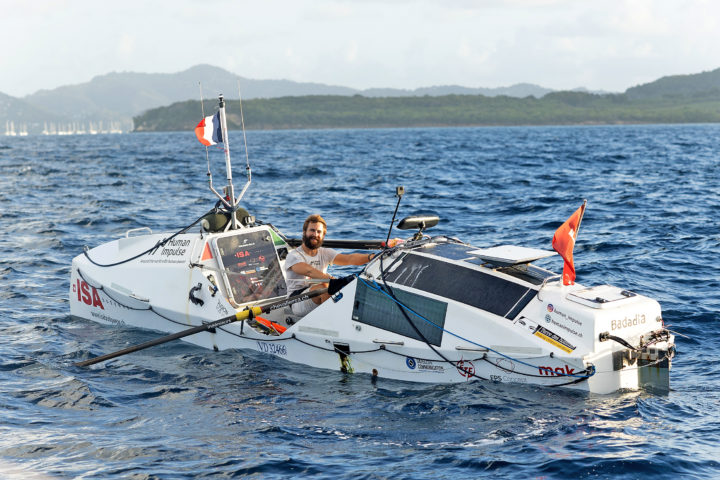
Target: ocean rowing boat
x: 431, y: 309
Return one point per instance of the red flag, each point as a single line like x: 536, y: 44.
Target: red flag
x: 563, y: 242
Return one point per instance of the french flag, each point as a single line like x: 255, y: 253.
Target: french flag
x: 208, y: 130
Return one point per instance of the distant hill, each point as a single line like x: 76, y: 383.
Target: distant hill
x: 115, y: 98
x: 678, y: 99
x: 118, y: 96
x: 20, y: 111
x: 557, y: 108
x: 697, y: 85
x: 127, y: 93
x: 519, y: 90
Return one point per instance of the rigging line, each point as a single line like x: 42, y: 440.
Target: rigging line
x: 160, y: 243
x: 334, y: 349
x: 475, y: 359
x: 248, y: 171
x: 149, y: 307
x: 667, y: 356
x: 606, y: 336
x: 242, y: 124
x: 405, y: 307
x: 102, y: 289
x: 417, y: 330
x: 551, y: 372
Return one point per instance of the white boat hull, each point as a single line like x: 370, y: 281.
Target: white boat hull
x: 553, y: 337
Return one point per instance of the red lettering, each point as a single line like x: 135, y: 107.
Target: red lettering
x: 85, y: 293
x: 96, y: 299
x: 242, y: 254
x: 557, y: 371
x: 466, y: 371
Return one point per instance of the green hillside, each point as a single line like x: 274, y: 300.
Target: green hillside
x: 676, y: 99
x: 701, y: 84
x: 564, y: 108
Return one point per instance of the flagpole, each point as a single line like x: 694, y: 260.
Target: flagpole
x: 230, y: 192
x: 581, y: 217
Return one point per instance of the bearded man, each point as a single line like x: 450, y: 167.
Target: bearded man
x: 311, y: 260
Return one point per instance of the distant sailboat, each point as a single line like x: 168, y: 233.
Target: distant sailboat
x: 10, y: 128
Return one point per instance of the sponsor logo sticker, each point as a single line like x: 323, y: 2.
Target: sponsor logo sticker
x: 465, y: 368
x: 553, y: 339
x: 557, y: 371
x: 87, y: 294
x: 626, y: 322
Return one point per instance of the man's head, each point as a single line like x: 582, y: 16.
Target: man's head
x: 314, y: 230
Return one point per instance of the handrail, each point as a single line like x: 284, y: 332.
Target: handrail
x: 127, y: 234
x: 551, y: 277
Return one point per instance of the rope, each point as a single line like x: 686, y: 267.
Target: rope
x: 159, y: 244
x: 405, y: 307
x: 589, y: 372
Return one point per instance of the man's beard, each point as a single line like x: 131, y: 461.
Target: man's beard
x: 311, y: 243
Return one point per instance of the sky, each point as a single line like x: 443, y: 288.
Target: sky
x: 605, y: 45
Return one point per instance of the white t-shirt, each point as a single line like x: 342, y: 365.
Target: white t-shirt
x: 321, y: 261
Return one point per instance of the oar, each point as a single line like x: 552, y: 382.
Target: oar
x: 334, y: 287
x: 350, y: 244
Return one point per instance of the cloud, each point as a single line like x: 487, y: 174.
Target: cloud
x: 126, y: 45
x: 363, y: 43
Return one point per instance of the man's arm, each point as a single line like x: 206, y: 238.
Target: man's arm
x: 302, y: 268
x: 353, y: 258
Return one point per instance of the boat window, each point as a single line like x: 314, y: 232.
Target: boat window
x: 375, y: 308
x: 250, y: 266
x: 465, y: 285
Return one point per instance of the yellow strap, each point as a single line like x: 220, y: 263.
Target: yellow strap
x: 244, y: 314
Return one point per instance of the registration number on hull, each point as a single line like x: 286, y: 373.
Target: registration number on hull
x: 272, y: 348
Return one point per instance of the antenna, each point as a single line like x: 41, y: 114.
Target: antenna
x: 247, y: 157
x: 399, y: 192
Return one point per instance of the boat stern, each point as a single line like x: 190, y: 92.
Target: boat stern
x: 631, y: 348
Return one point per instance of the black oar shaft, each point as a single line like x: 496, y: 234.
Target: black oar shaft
x: 239, y: 316
x: 142, y: 346
x: 167, y: 338
x: 350, y: 244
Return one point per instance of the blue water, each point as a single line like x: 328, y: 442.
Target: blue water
x: 178, y: 411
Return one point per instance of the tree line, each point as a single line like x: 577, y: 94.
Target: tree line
x: 331, y: 111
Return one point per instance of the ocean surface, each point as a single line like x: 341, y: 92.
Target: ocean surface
x: 178, y: 411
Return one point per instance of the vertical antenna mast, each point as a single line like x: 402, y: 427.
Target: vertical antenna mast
x: 247, y: 157
x: 230, y: 191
